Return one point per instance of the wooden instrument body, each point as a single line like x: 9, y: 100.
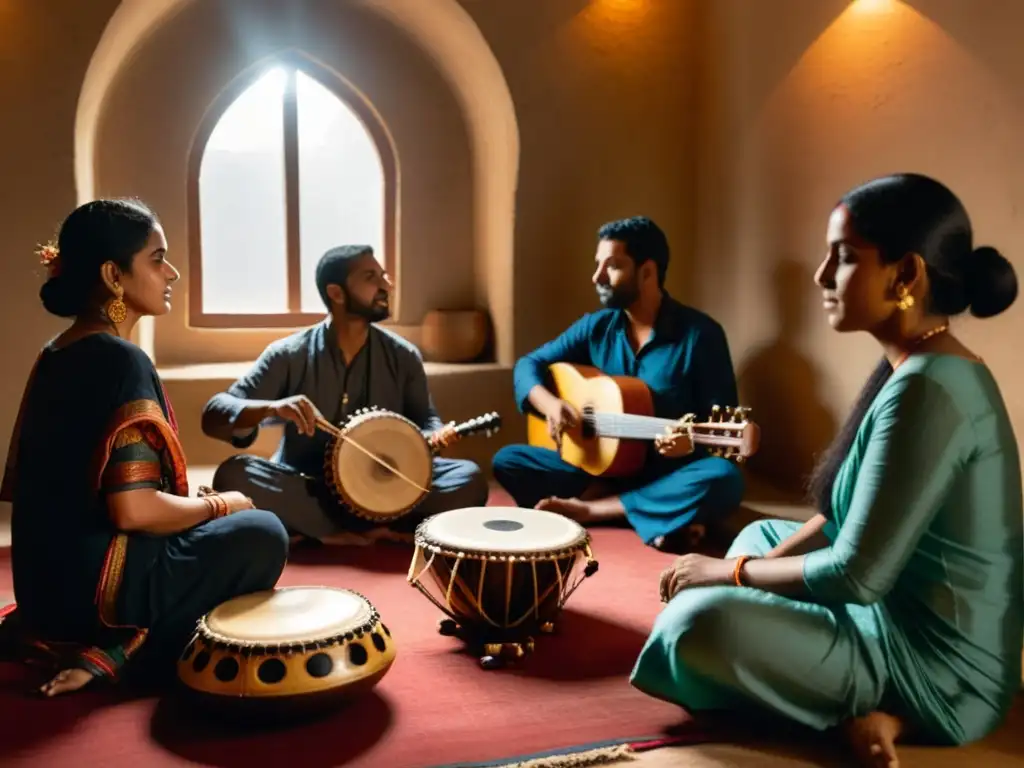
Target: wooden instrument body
x: 617, y: 424
x: 586, y: 389
x: 363, y: 486
x: 286, y: 652
x: 360, y: 478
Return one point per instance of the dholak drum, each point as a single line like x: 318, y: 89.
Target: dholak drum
x: 369, y: 489
x: 503, y: 574
x: 286, y: 651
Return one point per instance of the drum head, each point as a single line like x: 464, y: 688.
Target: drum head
x: 367, y: 484
x: 503, y: 530
x: 289, y: 615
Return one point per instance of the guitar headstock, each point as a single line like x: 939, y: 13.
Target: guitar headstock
x: 729, y: 433
x: 489, y: 424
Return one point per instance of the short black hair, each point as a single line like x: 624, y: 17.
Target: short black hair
x: 334, y: 266
x: 643, y: 239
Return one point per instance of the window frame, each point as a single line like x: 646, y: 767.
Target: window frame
x: 374, y: 125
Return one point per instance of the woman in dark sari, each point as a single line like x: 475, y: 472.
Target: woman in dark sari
x: 113, y: 561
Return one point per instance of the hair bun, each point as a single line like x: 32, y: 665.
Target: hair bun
x: 60, y: 298
x: 991, y: 282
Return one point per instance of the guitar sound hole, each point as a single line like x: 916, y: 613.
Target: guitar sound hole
x: 587, y: 427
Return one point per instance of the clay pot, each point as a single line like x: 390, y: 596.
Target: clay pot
x: 454, y: 335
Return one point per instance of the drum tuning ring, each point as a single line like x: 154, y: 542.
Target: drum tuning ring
x: 591, y: 568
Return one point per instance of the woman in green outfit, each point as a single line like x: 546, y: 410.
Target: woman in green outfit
x: 896, y: 611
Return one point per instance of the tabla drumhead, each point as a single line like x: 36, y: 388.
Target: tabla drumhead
x: 503, y: 529
x: 289, y: 614
x: 371, y: 486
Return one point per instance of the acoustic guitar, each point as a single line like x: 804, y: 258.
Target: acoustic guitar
x: 618, y: 422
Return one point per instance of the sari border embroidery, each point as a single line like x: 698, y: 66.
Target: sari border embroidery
x: 97, y: 658
x: 135, y: 412
x: 128, y: 436
x: 129, y: 472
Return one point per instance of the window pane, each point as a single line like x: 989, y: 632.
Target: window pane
x: 242, y: 204
x: 341, y: 182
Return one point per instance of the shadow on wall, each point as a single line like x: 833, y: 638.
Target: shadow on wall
x: 783, y: 388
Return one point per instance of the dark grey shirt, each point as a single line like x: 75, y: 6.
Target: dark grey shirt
x: 387, y: 373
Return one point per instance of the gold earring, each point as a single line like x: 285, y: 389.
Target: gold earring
x: 115, y: 309
x: 904, y: 300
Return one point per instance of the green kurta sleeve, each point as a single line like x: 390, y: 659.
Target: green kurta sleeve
x: 915, y: 440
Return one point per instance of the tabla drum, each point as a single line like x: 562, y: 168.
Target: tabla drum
x: 501, y: 574
x: 286, y: 651
x: 367, y: 487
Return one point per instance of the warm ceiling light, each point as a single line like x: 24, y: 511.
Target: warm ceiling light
x: 622, y: 6
x: 873, y: 6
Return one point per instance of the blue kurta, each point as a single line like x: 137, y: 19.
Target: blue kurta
x: 688, y: 368
x: 914, y: 607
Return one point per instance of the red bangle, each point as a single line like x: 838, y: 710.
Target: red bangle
x: 740, y: 561
x: 218, y: 507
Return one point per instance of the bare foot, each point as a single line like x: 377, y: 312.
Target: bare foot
x: 66, y: 681
x: 687, y: 539
x: 574, y: 509
x: 873, y: 738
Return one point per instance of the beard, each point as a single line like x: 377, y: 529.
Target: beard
x: 620, y: 297
x: 372, y: 312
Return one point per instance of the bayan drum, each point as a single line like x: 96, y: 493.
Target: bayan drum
x: 286, y: 651
x: 503, y: 574
x: 357, y: 463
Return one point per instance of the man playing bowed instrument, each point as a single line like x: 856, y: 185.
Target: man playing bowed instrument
x: 342, y: 364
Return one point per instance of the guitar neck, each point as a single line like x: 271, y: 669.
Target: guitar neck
x: 628, y: 426
x: 488, y: 425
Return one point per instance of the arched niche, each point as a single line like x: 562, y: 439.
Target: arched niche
x: 445, y: 33
x: 297, y: 276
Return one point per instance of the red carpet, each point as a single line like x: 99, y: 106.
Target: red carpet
x: 435, y: 707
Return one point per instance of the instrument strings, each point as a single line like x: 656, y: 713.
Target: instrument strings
x: 326, y: 426
x: 630, y: 426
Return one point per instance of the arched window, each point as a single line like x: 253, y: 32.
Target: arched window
x: 285, y: 171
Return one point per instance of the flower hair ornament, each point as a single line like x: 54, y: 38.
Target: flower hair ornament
x: 49, y: 257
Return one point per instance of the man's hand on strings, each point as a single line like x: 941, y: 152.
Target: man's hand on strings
x: 676, y: 441
x: 443, y: 437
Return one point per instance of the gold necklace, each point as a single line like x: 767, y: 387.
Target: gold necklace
x: 920, y: 340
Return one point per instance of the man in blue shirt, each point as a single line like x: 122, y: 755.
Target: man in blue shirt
x: 680, y: 353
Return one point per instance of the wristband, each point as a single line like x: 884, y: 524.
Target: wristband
x: 740, y: 562
x: 218, y: 507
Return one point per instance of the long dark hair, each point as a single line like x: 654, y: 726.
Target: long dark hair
x: 93, y: 234
x: 910, y: 213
